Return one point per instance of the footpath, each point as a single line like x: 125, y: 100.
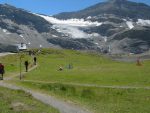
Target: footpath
x: 62, y: 106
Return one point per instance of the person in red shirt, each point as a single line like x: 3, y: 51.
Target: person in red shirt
x: 2, y: 70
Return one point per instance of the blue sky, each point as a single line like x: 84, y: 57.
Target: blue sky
x: 51, y: 7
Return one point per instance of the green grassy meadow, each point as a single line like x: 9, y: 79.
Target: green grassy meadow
x: 17, y: 101
x: 88, y: 69
x: 98, y: 100
x: 12, y: 63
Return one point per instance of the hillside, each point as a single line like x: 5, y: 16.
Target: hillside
x: 89, y: 80
x: 118, y: 17
x: 114, y: 27
x: 119, y: 8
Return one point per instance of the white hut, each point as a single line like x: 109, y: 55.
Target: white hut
x: 22, y: 46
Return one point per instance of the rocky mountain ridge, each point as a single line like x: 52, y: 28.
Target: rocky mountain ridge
x: 115, y: 27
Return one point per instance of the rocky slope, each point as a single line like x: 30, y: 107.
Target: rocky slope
x: 125, y: 25
x: 20, y: 26
x: 115, y: 26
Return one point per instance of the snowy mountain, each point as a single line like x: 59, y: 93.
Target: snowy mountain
x: 124, y: 25
x: 20, y: 26
x: 119, y: 8
x: 115, y: 26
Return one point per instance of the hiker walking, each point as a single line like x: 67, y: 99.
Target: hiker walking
x: 2, y: 70
x: 26, y: 63
x: 35, y: 59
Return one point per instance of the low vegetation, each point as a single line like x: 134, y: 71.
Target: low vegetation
x: 89, y: 70
x: 98, y: 100
x: 17, y: 101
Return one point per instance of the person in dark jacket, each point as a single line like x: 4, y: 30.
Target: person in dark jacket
x: 2, y: 70
x: 35, y: 59
x: 26, y: 63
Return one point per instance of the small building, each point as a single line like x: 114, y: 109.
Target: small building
x: 21, y: 46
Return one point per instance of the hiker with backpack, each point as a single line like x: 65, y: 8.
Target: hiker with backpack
x: 2, y: 70
x: 26, y: 63
x: 35, y: 59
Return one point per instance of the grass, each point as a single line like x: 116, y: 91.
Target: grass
x: 17, y: 101
x: 98, y: 100
x: 95, y: 69
x: 12, y: 63
x: 89, y: 69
